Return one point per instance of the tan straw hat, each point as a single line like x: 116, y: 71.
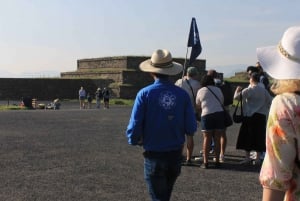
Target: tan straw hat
x: 282, y: 61
x: 161, y: 62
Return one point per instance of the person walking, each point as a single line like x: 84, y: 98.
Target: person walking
x: 99, y: 96
x: 256, y: 101
x: 89, y: 100
x: 261, y: 83
x: 162, y: 115
x: 280, y: 171
x: 228, y: 100
x: 191, y: 85
x: 209, y: 100
x: 82, y: 96
x: 106, y: 96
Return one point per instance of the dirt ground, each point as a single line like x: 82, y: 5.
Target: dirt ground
x: 73, y: 155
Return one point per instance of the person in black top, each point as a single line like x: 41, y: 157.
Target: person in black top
x: 98, y: 96
x: 106, y: 96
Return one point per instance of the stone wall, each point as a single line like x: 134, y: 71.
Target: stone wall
x: 47, y: 89
x: 120, y: 74
x: 124, y: 71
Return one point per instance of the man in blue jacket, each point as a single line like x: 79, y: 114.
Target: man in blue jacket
x: 161, y: 117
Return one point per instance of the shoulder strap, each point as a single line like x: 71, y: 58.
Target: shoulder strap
x: 194, y: 98
x: 216, y: 98
x: 239, y: 101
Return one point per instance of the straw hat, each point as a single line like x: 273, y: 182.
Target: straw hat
x: 161, y: 62
x: 282, y: 61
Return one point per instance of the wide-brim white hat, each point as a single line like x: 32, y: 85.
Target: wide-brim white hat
x: 282, y: 61
x: 161, y: 62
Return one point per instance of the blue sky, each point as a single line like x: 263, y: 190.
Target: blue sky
x: 44, y: 37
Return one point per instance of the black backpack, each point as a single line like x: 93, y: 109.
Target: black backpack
x: 227, y: 93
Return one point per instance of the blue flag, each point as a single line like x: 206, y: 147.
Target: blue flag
x: 194, y: 42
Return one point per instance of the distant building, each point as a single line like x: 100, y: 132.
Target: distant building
x: 122, y: 74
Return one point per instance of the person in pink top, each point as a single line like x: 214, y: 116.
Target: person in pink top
x: 280, y: 171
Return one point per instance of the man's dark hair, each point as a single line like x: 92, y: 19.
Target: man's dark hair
x: 254, y: 76
x: 252, y: 69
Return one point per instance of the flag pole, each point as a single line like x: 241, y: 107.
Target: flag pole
x: 184, y: 66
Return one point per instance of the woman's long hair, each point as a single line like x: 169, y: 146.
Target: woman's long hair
x: 207, y: 80
x: 284, y: 86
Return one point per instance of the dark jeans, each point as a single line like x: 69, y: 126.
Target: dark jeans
x: 161, y: 173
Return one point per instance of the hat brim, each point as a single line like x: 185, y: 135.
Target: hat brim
x: 174, y: 69
x: 277, y: 65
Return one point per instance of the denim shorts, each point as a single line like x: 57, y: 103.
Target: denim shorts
x: 214, y: 121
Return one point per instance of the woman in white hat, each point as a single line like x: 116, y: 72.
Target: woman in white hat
x: 280, y: 172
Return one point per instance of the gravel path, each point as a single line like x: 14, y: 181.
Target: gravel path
x: 71, y: 155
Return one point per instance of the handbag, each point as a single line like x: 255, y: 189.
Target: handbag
x: 227, y: 117
x: 238, y: 118
x: 197, y: 114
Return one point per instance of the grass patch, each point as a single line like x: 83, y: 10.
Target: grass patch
x: 128, y: 102
x: 112, y: 101
x: 11, y: 107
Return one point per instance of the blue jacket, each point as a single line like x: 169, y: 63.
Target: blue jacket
x: 161, y: 116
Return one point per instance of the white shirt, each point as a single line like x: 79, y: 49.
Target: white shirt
x: 195, y: 84
x: 208, y: 102
x: 256, y: 99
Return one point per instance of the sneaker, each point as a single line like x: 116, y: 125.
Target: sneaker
x: 253, y: 154
x: 204, y: 166
x: 221, y: 159
x: 198, y: 158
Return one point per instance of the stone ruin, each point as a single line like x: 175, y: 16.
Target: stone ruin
x: 121, y: 74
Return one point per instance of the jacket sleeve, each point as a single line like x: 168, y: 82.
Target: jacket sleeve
x: 135, y: 126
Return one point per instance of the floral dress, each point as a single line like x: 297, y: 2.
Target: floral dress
x: 279, y: 170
